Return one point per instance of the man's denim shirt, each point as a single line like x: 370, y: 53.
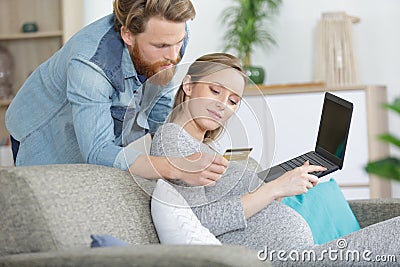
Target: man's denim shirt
x: 71, y: 108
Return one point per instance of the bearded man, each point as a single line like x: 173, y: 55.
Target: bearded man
x: 72, y: 107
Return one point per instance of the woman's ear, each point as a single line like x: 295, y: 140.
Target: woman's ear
x: 127, y: 36
x: 187, y: 85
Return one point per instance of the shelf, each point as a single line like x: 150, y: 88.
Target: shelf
x: 308, y: 87
x: 256, y: 89
x: 30, y: 49
x: 30, y: 35
x: 5, y: 102
x: 290, y: 85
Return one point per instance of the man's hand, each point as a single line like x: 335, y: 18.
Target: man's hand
x: 196, y: 169
x: 199, y: 168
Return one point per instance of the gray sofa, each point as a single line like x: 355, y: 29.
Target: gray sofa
x: 47, y: 214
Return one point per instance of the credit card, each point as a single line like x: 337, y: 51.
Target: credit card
x: 237, y: 153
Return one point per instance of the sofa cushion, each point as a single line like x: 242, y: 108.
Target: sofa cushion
x: 326, y: 210
x: 141, y: 256
x: 59, y: 206
x: 99, y: 241
x: 175, y: 221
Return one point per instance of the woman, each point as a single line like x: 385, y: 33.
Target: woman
x: 237, y: 209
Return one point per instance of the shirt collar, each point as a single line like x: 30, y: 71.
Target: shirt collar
x: 112, y: 56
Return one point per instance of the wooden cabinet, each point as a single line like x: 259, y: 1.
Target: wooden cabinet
x: 281, y: 122
x: 57, y: 20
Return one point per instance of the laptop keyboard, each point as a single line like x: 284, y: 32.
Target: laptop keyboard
x: 299, y: 161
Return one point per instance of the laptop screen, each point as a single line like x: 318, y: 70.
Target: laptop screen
x: 334, y: 128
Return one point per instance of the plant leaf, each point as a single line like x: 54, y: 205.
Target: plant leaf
x: 388, y: 138
x: 395, y: 106
x: 244, y: 21
x: 388, y: 168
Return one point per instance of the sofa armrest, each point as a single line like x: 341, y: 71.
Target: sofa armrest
x: 371, y: 211
x: 141, y: 255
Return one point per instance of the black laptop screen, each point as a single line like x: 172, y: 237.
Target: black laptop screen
x: 334, y: 128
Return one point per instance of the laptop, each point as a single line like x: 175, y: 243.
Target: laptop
x: 331, y: 141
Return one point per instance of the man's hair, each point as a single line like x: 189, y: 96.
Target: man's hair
x: 134, y: 14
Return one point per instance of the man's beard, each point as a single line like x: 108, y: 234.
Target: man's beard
x: 158, y: 75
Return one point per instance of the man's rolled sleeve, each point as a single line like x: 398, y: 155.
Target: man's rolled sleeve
x: 126, y: 157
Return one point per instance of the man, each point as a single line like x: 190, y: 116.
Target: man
x: 71, y: 108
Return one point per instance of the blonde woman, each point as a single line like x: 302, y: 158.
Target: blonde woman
x: 234, y: 208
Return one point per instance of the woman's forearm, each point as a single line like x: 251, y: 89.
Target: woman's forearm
x: 255, y: 201
x: 222, y: 216
x: 294, y: 182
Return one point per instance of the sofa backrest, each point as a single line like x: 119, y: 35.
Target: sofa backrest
x: 55, y: 207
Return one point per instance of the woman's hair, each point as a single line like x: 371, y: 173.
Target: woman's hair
x: 199, y: 69
x: 134, y: 14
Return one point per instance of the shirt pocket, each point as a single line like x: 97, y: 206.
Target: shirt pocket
x: 119, y: 115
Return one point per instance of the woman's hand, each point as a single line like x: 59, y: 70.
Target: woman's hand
x: 297, y: 181
x: 294, y: 182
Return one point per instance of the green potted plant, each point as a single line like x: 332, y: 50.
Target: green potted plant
x: 388, y: 167
x: 246, y: 23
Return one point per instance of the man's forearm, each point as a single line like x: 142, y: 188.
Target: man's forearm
x: 151, y: 167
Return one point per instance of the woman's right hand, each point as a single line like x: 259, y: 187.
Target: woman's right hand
x: 294, y: 182
x: 297, y: 181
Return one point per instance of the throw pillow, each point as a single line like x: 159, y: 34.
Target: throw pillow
x: 326, y: 210
x: 174, y: 220
x: 107, y: 241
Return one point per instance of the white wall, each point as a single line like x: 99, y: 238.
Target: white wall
x: 94, y: 9
x: 377, y: 40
